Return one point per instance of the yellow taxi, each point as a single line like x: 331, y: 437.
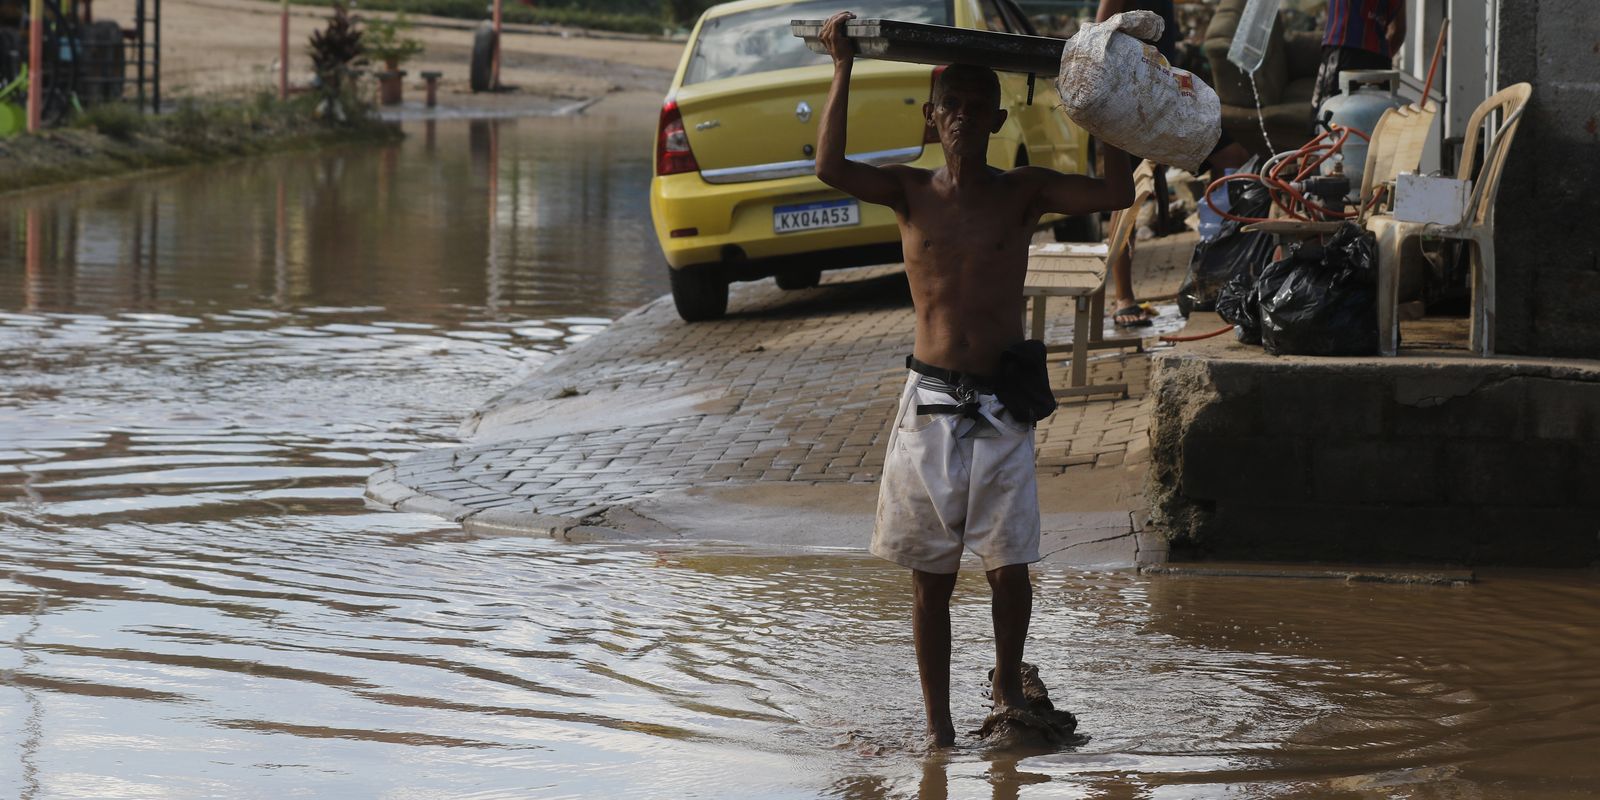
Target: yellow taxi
x: 734, y: 196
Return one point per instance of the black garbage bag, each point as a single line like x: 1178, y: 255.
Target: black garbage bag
x: 1231, y: 252
x: 1322, y: 299
x: 1238, y: 303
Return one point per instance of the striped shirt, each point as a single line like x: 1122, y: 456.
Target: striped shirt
x: 1361, y: 24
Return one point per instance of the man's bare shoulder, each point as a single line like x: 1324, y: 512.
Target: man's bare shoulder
x: 1032, y: 175
x: 906, y: 172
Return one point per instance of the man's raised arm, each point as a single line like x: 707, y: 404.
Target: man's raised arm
x: 1079, y: 194
x: 868, y: 183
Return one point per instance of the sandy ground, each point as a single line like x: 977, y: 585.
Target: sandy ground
x: 215, y: 47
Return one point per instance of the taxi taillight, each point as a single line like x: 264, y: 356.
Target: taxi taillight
x: 672, y: 143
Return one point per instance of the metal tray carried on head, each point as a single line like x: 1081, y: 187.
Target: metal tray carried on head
x: 921, y: 43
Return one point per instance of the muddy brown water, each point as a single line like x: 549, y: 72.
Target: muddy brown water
x: 198, y: 369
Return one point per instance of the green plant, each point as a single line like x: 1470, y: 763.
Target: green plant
x: 187, y: 124
x: 386, y: 41
x: 117, y: 120
x: 337, y: 54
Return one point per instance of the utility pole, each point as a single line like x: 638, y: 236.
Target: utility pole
x: 283, y: 53
x: 499, y: 44
x: 36, y: 64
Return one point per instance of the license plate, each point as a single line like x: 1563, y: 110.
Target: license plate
x: 811, y: 216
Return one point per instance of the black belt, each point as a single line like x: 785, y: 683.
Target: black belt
x: 981, y: 383
x: 965, y: 386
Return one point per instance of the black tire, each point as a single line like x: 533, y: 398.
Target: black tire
x: 10, y: 56
x: 483, y: 47
x: 700, y: 292
x: 1085, y: 228
x: 107, y: 61
x: 792, y: 279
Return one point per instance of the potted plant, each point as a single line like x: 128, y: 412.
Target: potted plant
x: 386, y: 41
x: 338, y: 54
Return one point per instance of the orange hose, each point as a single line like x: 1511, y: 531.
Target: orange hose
x: 1196, y: 337
x: 1278, y: 189
x: 1438, y: 47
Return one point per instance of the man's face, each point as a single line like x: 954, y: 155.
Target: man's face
x: 964, y: 113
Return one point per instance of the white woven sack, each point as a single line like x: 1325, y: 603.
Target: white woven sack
x: 1125, y: 93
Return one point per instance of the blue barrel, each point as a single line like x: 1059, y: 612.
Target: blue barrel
x: 1364, y: 96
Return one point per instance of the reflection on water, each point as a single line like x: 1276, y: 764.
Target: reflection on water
x: 461, y: 221
x: 198, y: 369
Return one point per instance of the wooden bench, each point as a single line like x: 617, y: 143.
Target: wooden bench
x: 1080, y: 271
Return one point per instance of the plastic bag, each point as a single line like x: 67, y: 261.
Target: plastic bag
x: 1239, y: 305
x: 1124, y: 92
x: 1240, y: 300
x: 1216, y: 263
x: 1322, y: 300
x: 1229, y: 254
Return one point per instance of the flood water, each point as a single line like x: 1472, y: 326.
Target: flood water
x: 199, y: 369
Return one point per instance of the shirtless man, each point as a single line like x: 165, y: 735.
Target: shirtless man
x: 963, y: 478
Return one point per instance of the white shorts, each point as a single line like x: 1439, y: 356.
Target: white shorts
x: 951, y: 480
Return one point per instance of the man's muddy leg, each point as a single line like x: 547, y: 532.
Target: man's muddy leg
x: 930, y: 625
x: 1012, y: 606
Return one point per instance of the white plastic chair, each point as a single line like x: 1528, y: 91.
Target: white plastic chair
x: 1475, y: 228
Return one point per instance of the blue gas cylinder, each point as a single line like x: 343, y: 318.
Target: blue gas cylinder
x: 1364, y: 96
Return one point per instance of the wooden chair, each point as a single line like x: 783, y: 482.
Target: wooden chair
x: 1475, y: 228
x: 1080, y: 271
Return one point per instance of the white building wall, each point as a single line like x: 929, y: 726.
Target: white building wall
x: 1466, y: 71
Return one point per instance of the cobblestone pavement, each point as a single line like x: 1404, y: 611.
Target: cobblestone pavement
x: 791, y: 386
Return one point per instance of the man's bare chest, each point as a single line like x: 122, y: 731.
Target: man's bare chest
x: 963, y: 231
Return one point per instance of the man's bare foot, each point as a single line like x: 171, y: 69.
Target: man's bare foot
x: 1130, y: 314
x: 1008, y: 694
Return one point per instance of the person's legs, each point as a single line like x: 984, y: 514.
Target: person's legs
x: 930, y: 625
x: 1127, y: 311
x: 1012, y: 593
x: 1163, y: 224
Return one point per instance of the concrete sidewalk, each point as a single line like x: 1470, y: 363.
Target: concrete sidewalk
x: 767, y: 427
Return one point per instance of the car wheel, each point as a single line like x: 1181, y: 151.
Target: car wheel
x: 482, y: 68
x: 792, y: 279
x: 700, y: 292
x: 1086, y: 227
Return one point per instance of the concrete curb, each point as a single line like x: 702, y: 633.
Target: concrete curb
x: 384, y: 491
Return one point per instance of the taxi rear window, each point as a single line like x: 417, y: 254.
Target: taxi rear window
x: 759, y: 40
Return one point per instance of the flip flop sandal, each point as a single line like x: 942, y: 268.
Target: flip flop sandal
x: 1142, y: 321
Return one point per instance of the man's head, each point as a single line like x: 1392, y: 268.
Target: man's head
x: 965, y: 108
